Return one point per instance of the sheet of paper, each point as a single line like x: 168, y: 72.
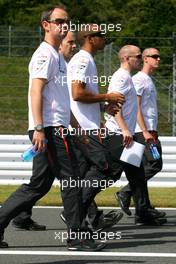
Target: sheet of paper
x: 133, y: 154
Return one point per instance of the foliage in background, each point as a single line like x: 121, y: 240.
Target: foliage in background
x: 152, y: 18
x: 144, y: 23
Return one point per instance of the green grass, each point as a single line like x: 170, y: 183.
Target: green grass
x: 160, y: 197
x: 14, y: 89
x: 13, y: 94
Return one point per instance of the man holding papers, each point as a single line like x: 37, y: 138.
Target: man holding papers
x: 146, y: 126
x: 121, y: 133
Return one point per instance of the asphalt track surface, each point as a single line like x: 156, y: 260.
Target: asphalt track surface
x: 137, y: 245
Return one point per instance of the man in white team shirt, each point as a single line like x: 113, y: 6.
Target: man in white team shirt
x: 24, y: 220
x: 122, y: 128
x: 49, y: 114
x: 85, y: 105
x: 146, y: 126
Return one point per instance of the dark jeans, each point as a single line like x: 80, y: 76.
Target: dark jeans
x: 62, y: 161
x: 151, y: 166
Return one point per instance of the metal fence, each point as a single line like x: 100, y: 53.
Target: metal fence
x: 17, y: 45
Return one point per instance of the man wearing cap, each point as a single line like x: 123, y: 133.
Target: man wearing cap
x: 85, y: 105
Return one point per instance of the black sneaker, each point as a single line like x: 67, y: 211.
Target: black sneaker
x: 152, y: 221
x: 156, y: 213
x: 124, y: 202
x: 108, y: 220
x: 85, y: 245
x: 3, y: 244
x: 110, y: 214
x: 29, y: 224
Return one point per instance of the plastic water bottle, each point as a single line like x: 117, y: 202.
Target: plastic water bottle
x: 29, y: 154
x: 154, y: 152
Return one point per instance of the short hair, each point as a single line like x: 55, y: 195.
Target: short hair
x: 147, y: 51
x: 47, y: 13
x: 87, y: 30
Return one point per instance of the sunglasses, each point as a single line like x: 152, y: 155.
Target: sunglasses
x: 59, y: 21
x: 154, y: 56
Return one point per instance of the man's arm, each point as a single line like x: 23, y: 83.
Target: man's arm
x: 73, y: 121
x: 79, y: 93
x: 127, y: 137
x: 37, y: 105
x: 140, y: 120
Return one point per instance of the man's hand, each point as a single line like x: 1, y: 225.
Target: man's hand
x: 148, y: 137
x: 112, y: 108
x: 39, y: 141
x: 127, y: 138
x: 115, y: 98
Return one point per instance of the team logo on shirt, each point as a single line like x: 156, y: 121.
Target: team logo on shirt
x: 41, y: 59
x: 81, y: 66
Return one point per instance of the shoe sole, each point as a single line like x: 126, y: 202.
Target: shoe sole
x: 3, y: 245
x: 98, y: 248
x: 158, y: 222
x: 28, y: 228
x: 124, y: 209
x: 116, y: 220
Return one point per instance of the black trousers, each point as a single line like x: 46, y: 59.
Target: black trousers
x: 42, y: 178
x: 42, y: 172
x: 134, y: 174
x: 151, y: 166
x: 62, y: 161
x: 94, y: 166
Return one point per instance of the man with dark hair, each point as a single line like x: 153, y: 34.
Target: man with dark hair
x: 49, y: 115
x: 68, y: 46
x: 85, y: 105
x: 42, y: 171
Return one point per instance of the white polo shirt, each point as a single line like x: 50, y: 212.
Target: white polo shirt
x: 82, y: 68
x: 46, y: 63
x: 146, y: 89
x: 121, y: 81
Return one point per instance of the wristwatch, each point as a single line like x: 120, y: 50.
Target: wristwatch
x: 39, y: 127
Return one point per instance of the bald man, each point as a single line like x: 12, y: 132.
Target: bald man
x: 146, y: 127
x: 122, y: 128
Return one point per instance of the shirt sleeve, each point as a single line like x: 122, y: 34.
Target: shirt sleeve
x: 119, y: 84
x: 138, y: 85
x: 78, y: 70
x: 41, y: 66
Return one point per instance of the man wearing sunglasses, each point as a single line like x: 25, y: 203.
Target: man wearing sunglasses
x: 49, y: 114
x: 24, y: 220
x: 146, y: 127
x: 122, y: 125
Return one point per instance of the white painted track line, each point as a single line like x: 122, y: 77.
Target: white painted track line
x: 100, y: 254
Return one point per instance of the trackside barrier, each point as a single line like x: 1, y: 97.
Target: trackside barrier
x: 14, y: 171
